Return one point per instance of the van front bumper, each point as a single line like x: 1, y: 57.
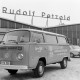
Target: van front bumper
x: 13, y: 67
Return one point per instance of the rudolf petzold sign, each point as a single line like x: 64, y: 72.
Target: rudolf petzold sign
x: 33, y: 13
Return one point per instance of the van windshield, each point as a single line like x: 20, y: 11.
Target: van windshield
x: 16, y: 36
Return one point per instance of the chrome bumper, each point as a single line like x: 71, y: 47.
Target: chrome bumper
x: 13, y: 67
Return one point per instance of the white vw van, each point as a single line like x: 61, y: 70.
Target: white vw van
x: 33, y: 49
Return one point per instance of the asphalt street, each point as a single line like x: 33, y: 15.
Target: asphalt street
x: 52, y: 72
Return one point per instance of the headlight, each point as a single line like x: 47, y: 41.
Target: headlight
x: 20, y: 56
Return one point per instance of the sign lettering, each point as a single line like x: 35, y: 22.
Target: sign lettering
x: 32, y: 13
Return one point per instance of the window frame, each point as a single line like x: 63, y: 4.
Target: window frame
x: 37, y: 33
x: 51, y: 35
x: 19, y: 30
x: 62, y: 37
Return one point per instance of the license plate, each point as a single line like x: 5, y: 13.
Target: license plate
x: 5, y: 63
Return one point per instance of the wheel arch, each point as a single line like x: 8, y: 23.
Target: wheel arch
x: 66, y: 57
x: 43, y: 59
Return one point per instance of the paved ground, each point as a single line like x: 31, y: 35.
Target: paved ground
x: 52, y: 72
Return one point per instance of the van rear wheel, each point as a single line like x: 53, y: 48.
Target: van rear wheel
x: 63, y: 63
x: 39, y: 70
x: 12, y: 72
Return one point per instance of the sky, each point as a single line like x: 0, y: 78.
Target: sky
x: 68, y: 8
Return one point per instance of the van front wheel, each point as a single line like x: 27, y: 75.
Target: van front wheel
x: 12, y: 72
x: 39, y: 70
x: 63, y: 63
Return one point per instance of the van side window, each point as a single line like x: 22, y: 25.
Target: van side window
x: 61, y: 40
x: 37, y: 37
x: 51, y: 39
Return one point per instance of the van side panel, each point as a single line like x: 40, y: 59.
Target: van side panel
x: 52, y: 53
x: 37, y: 51
x: 61, y: 51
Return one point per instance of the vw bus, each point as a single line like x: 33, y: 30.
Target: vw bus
x: 33, y: 49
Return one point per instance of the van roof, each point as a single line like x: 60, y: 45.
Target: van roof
x: 37, y: 31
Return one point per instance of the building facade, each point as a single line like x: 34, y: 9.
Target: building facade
x: 10, y: 24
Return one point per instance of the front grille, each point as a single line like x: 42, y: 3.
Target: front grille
x: 3, y: 48
x: 11, y: 48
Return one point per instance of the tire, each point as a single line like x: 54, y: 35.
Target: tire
x: 71, y: 55
x: 39, y: 70
x: 63, y: 63
x: 12, y: 72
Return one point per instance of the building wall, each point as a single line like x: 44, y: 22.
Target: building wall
x: 4, y: 23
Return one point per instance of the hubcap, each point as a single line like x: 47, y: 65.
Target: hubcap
x: 41, y: 69
x: 65, y: 63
